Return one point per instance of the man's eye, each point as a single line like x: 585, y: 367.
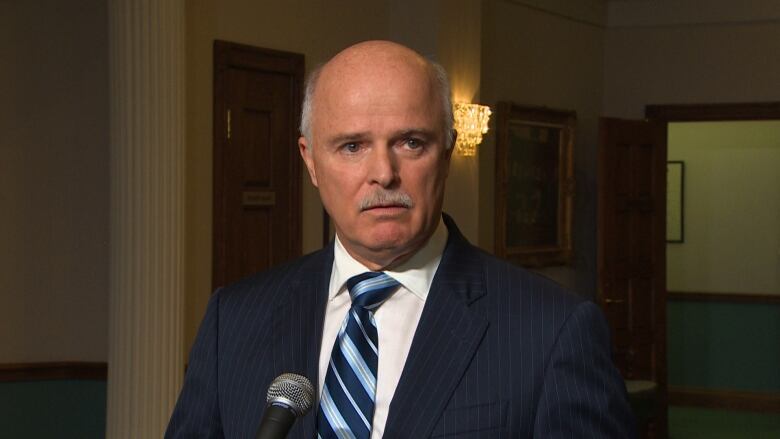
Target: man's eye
x: 413, y: 143
x: 351, y: 147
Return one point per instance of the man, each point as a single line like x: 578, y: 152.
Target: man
x: 460, y: 344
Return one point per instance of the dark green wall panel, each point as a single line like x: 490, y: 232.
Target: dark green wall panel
x: 53, y: 409
x: 723, y: 345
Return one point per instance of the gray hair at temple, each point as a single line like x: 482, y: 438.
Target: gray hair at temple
x: 441, y: 83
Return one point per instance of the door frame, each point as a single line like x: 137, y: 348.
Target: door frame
x: 709, y: 113
x: 713, y: 112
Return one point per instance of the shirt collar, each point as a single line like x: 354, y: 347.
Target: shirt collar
x: 416, y: 274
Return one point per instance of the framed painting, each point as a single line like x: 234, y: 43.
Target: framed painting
x: 534, y: 184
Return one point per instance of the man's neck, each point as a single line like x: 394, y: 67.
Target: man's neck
x: 388, y: 259
x: 383, y: 260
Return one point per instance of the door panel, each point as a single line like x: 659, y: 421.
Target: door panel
x: 257, y: 197
x: 631, y: 250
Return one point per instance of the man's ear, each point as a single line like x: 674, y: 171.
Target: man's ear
x: 448, y: 151
x: 446, y: 154
x: 306, y: 154
x: 454, y: 140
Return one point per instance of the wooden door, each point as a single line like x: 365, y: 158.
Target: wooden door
x: 632, y: 250
x: 257, y: 191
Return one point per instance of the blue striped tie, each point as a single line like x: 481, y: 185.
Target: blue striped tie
x: 347, y: 400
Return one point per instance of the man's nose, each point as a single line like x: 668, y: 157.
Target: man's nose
x: 383, y: 167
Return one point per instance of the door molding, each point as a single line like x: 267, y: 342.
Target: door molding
x: 57, y: 370
x: 729, y: 399
x: 713, y: 112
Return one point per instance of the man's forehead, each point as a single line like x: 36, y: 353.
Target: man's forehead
x: 374, y: 89
x: 386, y: 111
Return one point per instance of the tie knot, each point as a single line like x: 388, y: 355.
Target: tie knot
x: 369, y: 290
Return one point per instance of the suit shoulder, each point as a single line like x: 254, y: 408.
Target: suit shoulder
x: 532, y: 305
x: 276, y: 279
x: 529, y: 288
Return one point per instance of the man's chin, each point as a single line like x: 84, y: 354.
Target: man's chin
x: 387, y: 244
x: 387, y: 240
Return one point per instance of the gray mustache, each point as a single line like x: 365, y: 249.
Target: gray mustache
x: 386, y: 198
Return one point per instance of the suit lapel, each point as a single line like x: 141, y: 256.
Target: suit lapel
x: 444, y: 344
x: 297, y: 328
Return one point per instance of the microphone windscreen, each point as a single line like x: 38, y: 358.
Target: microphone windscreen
x: 292, y: 390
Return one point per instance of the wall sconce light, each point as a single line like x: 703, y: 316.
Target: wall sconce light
x: 471, y: 122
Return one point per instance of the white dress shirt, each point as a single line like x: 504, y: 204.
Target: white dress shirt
x: 396, y: 319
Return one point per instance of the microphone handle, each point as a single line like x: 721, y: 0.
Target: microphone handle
x: 276, y: 423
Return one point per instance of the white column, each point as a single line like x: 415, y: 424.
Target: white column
x: 147, y: 205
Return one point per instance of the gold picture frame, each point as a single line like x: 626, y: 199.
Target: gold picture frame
x: 534, y: 184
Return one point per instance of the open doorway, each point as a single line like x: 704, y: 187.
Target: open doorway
x: 723, y: 271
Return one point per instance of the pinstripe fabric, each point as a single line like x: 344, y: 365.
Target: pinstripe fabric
x: 347, y: 404
x: 253, y: 331
x: 498, y: 353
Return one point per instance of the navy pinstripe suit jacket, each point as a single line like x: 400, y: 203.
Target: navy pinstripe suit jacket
x: 498, y: 352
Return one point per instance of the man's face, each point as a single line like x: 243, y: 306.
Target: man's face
x: 379, y: 160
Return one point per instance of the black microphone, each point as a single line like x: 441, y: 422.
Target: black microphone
x: 289, y: 396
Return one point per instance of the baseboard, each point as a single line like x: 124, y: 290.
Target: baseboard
x: 725, y: 399
x: 63, y: 370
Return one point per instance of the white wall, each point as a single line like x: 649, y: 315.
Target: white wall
x: 53, y: 181
x: 541, y: 57
x: 732, y: 208
x: 666, y: 52
x: 690, y: 12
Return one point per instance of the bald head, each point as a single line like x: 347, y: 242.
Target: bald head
x: 376, y: 64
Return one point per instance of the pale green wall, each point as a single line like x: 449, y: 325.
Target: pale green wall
x: 732, y: 207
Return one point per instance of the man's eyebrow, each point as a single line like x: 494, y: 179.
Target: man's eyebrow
x: 415, y: 132
x: 346, y: 138
x: 342, y: 138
